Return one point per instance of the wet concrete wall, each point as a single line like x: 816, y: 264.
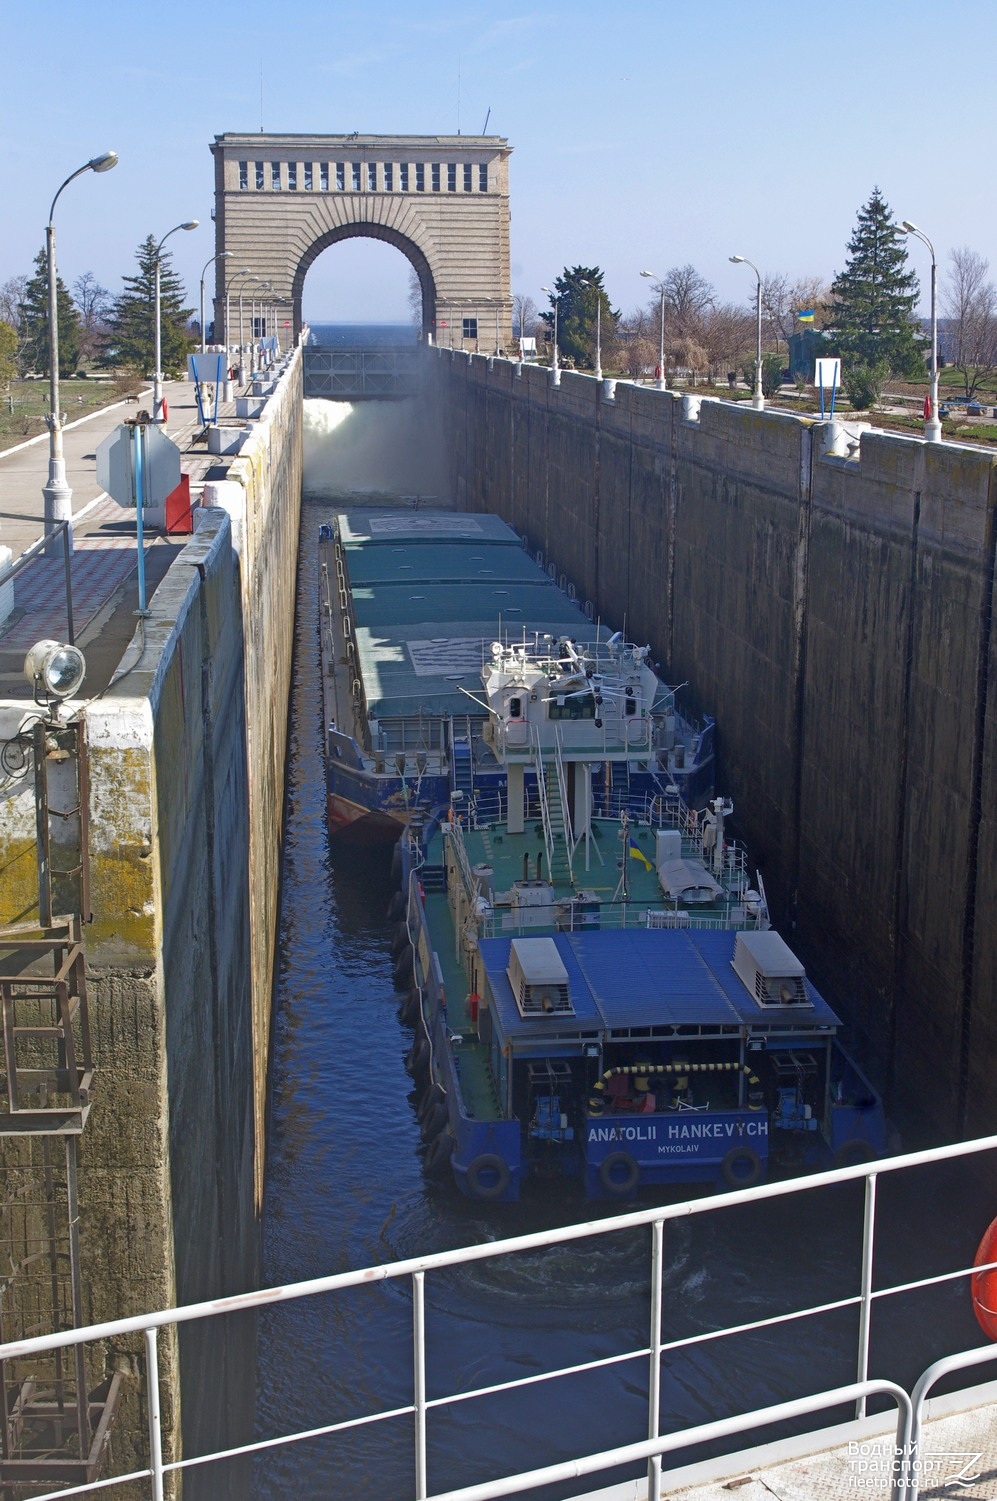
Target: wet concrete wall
x: 834, y: 611
x: 185, y: 767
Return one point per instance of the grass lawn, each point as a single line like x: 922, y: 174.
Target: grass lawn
x: 24, y: 403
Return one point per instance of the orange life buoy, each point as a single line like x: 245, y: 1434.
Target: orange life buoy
x: 984, y: 1284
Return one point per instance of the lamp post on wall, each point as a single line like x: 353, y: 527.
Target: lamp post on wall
x: 555, y: 368
x: 249, y: 277
x: 598, y: 327
x: 157, y: 374
x: 932, y: 423
x: 222, y: 255
x: 758, y: 399
x: 57, y: 494
x: 657, y: 282
x: 228, y: 298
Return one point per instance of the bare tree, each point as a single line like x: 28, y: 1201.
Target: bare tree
x: 970, y: 301
x: 635, y: 352
x: 414, y: 297
x: 94, y: 304
x: 524, y: 315
x: 687, y: 297
x: 727, y: 334
x: 783, y: 300
x: 12, y: 294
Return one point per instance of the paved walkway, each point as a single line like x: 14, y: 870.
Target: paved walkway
x: 104, y: 563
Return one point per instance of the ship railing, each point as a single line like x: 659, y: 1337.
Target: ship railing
x: 545, y: 813
x: 454, y: 834
x: 652, y: 1357
x: 733, y: 916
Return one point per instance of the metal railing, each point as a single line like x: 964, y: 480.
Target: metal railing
x: 415, y: 1270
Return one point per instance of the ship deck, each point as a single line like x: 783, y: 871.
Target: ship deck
x: 429, y: 592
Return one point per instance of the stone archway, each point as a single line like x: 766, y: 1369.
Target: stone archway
x: 443, y: 201
x: 412, y: 253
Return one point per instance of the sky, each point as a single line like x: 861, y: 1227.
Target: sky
x: 646, y: 133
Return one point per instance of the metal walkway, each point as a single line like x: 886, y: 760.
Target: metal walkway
x: 895, y: 1471
x: 386, y: 372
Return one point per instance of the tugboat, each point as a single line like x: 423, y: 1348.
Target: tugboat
x: 594, y: 985
x: 410, y: 602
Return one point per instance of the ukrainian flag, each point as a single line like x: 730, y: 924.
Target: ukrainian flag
x: 636, y: 853
x: 807, y: 317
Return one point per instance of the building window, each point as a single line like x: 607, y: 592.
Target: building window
x: 244, y: 175
x: 451, y: 177
x: 403, y: 176
x: 259, y: 328
x: 308, y: 177
x: 436, y: 177
x: 483, y: 179
x: 469, y: 328
x: 372, y: 177
x: 420, y: 177
x: 467, y: 177
x: 292, y: 177
x: 389, y: 178
x: 259, y: 176
x: 275, y: 176
x: 356, y: 177
x: 323, y: 176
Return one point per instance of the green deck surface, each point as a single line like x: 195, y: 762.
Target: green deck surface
x: 476, y: 1084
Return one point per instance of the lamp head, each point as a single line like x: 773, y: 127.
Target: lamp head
x: 223, y: 254
x: 650, y: 274
x: 191, y: 224
x: 54, y: 670
x: 737, y: 260
x: 908, y: 227
x: 104, y: 162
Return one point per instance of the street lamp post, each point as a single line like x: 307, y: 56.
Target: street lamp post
x: 157, y: 374
x: 932, y: 423
x: 758, y: 399
x: 598, y: 327
x: 57, y: 494
x: 228, y: 309
x: 222, y: 255
x: 661, y: 382
x: 554, y: 366
x: 249, y: 277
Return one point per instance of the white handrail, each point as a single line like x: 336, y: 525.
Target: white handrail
x: 415, y: 1268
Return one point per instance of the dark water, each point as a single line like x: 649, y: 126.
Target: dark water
x: 345, y: 1189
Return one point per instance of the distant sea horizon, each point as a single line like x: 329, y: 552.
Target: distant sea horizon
x: 347, y: 335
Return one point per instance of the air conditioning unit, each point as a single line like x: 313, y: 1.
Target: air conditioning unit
x: 770, y: 971
x: 538, y: 978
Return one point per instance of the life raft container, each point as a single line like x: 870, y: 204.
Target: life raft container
x: 984, y: 1284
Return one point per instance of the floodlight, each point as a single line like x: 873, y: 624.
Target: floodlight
x: 54, y: 669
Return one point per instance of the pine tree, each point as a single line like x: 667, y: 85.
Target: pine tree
x: 33, y: 313
x: 131, y: 338
x: 576, y: 314
x: 874, y: 297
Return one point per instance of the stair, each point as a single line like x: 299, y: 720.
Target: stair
x: 560, y: 862
x: 462, y: 766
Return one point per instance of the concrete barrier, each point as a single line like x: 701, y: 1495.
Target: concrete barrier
x: 827, y: 590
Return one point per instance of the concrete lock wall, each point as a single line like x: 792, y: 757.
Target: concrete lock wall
x: 834, y: 613
x: 185, y: 761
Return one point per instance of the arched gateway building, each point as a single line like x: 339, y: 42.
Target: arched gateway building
x: 443, y: 201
